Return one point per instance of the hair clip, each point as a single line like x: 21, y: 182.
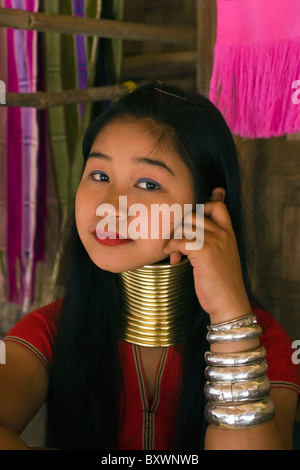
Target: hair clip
x: 171, y: 94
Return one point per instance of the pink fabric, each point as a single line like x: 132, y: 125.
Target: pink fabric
x: 3, y: 179
x: 25, y: 49
x: 14, y: 175
x: 257, y: 20
x: 22, y: 148
x: 255, y: 66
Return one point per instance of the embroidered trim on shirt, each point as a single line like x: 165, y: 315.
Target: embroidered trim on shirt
x: 29, y: 346
x: 149, y: 408
x: 278, y: 383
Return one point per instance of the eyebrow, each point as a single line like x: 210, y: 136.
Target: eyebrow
x: 138, y: 160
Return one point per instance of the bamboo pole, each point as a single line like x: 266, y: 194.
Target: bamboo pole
x: 64, y: 24
x: 44, y: 100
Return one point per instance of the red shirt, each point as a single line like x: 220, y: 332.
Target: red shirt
x: 151, y: 425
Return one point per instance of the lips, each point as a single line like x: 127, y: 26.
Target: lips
x: 112, y: 238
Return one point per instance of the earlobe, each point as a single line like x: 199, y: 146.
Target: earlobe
x: 218, y: 194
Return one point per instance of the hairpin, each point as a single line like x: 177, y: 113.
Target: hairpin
x: 171, y: 94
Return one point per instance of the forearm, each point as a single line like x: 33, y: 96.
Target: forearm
x: 10, y: 441
x: 239, y: 412
x: 261, y: 437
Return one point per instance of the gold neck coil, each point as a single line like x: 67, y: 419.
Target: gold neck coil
x: 157, y: 300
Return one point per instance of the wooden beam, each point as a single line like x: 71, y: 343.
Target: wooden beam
x: 147, y: 66
x: 65, y: 24
x: 44, y: 100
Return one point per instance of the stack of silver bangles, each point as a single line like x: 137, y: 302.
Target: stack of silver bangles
x: 237, y: 390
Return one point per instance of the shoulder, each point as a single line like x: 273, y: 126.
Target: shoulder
x: 37, y: 330
x: 282, y: 370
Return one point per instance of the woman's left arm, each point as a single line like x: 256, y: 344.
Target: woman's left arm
x: 285, y: 401
x: 221, y: 292
x: 275, y: 435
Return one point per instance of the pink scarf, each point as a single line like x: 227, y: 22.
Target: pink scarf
x: 21, y: 163
x: 257, y: 66
x: 3, y: 119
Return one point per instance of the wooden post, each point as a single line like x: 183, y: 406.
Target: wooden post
x: 206, y: 34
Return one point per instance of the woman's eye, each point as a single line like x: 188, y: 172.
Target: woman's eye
x: 99, y: 176
x: 148, y: 185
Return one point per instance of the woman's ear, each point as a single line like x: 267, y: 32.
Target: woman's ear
x: 218, y: 194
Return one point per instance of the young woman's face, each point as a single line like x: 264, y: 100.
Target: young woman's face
x: 127, y: 160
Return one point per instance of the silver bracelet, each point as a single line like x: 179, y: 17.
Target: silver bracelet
x: 246, y: 320
x: 235, y: 374
x: 237, y: 392
x: 235, y: 359
x: 237, y: 389
x: 234, y: 334
x: 240, y: 416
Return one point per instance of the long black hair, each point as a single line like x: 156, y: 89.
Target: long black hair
x: 85, y: 381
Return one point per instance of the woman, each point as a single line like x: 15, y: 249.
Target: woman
x: 108, y: 382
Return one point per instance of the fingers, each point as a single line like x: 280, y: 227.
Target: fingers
x: 189, y: 236
x: 175, y: 257
x: 217, y: 212
x: 192, y: 230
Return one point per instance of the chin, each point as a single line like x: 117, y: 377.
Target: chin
x: 119, y: 265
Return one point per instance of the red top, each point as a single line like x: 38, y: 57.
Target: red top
x: 151, y: 425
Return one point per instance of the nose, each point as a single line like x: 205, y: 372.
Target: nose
x: 113, y: 213
x: 114, y: 205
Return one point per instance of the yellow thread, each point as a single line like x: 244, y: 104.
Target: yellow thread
x: 130, y: 85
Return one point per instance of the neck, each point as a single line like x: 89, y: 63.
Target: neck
x: 157, y: 302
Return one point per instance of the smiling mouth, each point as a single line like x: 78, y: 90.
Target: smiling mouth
x: 111, y: 238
